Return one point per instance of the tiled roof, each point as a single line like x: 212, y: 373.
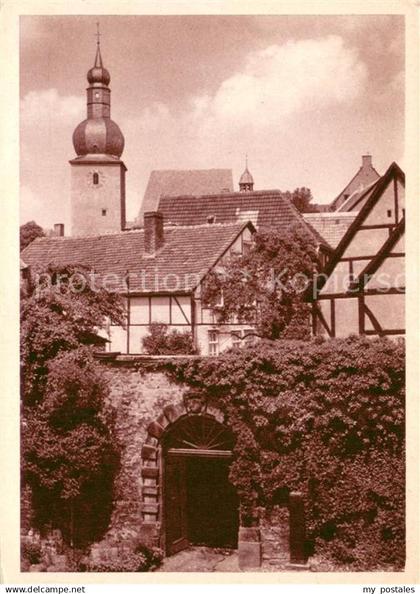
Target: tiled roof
x: 187, y: 255
x: 184, y: 182
x: 330, y: 225
x: 265, y: 208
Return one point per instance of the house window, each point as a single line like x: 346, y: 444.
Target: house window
x: 213, y: 343
x: 242, y: 337
x: 249, y: 337
x: 220, y: 300
x: 95, y: 179
x: 389, y: 213
x: 104, y: 212
x: 236, y: 338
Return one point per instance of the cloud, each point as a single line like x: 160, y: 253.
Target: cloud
x: 30, y: 205
x: 282, y: 91
x: 47, y: 121
x: 279, y: 103
x: 298, y: 76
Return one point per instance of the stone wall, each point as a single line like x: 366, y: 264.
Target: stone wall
x: 145, y: 400
x: 274, y: 527
x: 141, y: 393
x: 137, y: 396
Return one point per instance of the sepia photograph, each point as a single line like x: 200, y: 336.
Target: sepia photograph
x: 212, y: 293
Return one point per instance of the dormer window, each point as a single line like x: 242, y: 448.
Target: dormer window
x: 95, y: 179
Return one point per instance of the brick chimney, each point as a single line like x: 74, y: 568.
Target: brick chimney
x: 366, y: 161
x: 153, y: 232
x: 58, y: 230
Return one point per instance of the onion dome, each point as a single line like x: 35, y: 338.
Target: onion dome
x: 98, y: 74
x: 98, y: 135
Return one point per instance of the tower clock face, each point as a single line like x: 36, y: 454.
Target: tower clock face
x: 95, y: 178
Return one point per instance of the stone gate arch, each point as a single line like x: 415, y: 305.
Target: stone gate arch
x: 160, y: 441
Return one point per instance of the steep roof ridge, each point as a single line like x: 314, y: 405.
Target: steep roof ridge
x: 393, y: 169
x: 273, y: 192
x: 360, y: 194
x: 351, y: 181
x: 132, y: 231
x: 225, y: 248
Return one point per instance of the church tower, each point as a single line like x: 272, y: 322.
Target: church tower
x: 98, y: 173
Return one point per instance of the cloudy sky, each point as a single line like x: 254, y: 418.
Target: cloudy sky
x: 304, y: 96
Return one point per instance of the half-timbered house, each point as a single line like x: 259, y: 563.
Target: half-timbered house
x: 362, y: 289
x: 159, y: 271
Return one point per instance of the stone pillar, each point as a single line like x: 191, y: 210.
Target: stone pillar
x: 249, y: 548
x: 297, y: 531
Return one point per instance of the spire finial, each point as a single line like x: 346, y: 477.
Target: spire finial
x: 246, y: 160
x: 98, y: 59
x: 97, y: 34
x: 98, y: 74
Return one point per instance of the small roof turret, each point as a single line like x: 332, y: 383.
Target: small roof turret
x: 246, y: 181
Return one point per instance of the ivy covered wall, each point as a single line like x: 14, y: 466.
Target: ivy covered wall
x: 324, y: 418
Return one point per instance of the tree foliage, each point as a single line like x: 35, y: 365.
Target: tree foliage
x: 301, y: 199
x: 265, y: 287
x: 324, y: 418
x: 161, y: 342
x: 28, y: 232
x: 68, y: 454
x: 59, y: 312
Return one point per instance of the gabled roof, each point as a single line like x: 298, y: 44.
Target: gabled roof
x: 266, y: 209
x: 355, y: 200
x: 365, y: 175
x: 184, y: 182
x: 330, y: 225
x: 370, y: 269
x: 185, y: 258
x: 374, y: 194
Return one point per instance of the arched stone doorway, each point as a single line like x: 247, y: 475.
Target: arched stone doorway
x: 186, y: 493
x: 200, y: 504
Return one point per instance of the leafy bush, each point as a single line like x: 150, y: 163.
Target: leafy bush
x: 69, y: 456
x: 143, y: 558
x: 265, y: 287
x: 161, y: 342
x: 31, y: 552
x: 325, y: 418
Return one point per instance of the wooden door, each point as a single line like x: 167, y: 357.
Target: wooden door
x: 176, y: 504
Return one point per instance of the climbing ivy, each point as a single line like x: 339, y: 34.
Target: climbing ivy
x: 324, y: 418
